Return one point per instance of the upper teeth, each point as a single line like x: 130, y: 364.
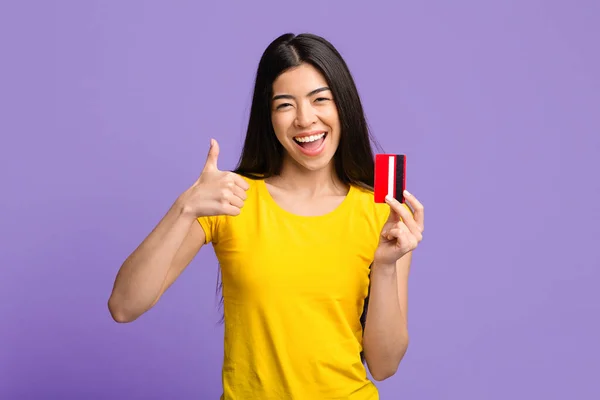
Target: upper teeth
x: 310, y: 138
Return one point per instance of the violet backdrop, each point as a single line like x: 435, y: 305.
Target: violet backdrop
x: 106, y: 113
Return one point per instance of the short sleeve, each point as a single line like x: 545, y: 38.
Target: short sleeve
x: 382, y: 212
x: 210, y: 225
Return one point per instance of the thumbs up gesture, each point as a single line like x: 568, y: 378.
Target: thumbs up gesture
x: 215, y: 192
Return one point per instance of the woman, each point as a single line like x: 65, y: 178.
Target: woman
x: 300, y: 241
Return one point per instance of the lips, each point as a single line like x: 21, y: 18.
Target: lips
x: 309, y: 137
x: 311, y: 144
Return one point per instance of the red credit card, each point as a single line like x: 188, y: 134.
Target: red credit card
x: 390, y: 177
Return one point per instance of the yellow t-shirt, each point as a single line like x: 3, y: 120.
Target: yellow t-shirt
x: 294, y: 290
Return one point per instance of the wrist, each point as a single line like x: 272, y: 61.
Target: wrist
x: 183, y: 209
x: 384, y: 267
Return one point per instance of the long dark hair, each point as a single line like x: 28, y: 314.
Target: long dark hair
x: 262, y: 154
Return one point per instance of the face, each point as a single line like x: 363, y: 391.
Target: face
x: 305, y: 117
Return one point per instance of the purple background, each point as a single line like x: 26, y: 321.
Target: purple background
x: 106, y: 113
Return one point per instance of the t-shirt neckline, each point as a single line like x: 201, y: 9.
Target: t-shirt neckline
x: 266, y: 195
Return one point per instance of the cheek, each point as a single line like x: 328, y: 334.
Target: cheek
x: 281, y: 125
x: 330, y: 117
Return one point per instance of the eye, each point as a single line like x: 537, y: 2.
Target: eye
x: 321, y: 99
x: 282, y: 106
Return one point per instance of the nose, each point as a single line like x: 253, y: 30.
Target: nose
x: 305, y: 116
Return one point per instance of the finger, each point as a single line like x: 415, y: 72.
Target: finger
x: 395, y: 233
x: 400, y: 210
x: 229, y: 209
x: 239, y: 192
x: 234, y: 200
x: 412, y: 228
x: 239, y: 181
x: 418, y: 209
x: 409, y: 220
x: 400, y: 232
x: 213, y: 155
x: 404, y: 237
x: 232, y: 183
x: 393, y: 216
x: 394, y: 230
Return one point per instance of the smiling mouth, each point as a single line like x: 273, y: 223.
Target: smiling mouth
x: 312, y: 141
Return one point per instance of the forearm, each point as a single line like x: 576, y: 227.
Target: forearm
x: 386, y: 328
x: 142, y: 275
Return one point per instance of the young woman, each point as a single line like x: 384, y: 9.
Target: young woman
x: 301, y: 244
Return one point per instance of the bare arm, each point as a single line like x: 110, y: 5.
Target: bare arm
x: 155, y: 264
x: 386, y: 328
x: 173, y: 243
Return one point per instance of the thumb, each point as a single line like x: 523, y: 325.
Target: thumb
x: 213, y: 155
x: 393, y: 216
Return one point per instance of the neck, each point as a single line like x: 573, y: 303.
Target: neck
x: 298, y: 179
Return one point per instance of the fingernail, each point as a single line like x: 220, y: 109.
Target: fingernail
x: 389, y: 198
x: 407, y: 193
x: 212, y: 142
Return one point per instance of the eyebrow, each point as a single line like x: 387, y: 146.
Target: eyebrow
x: 289, y: 96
